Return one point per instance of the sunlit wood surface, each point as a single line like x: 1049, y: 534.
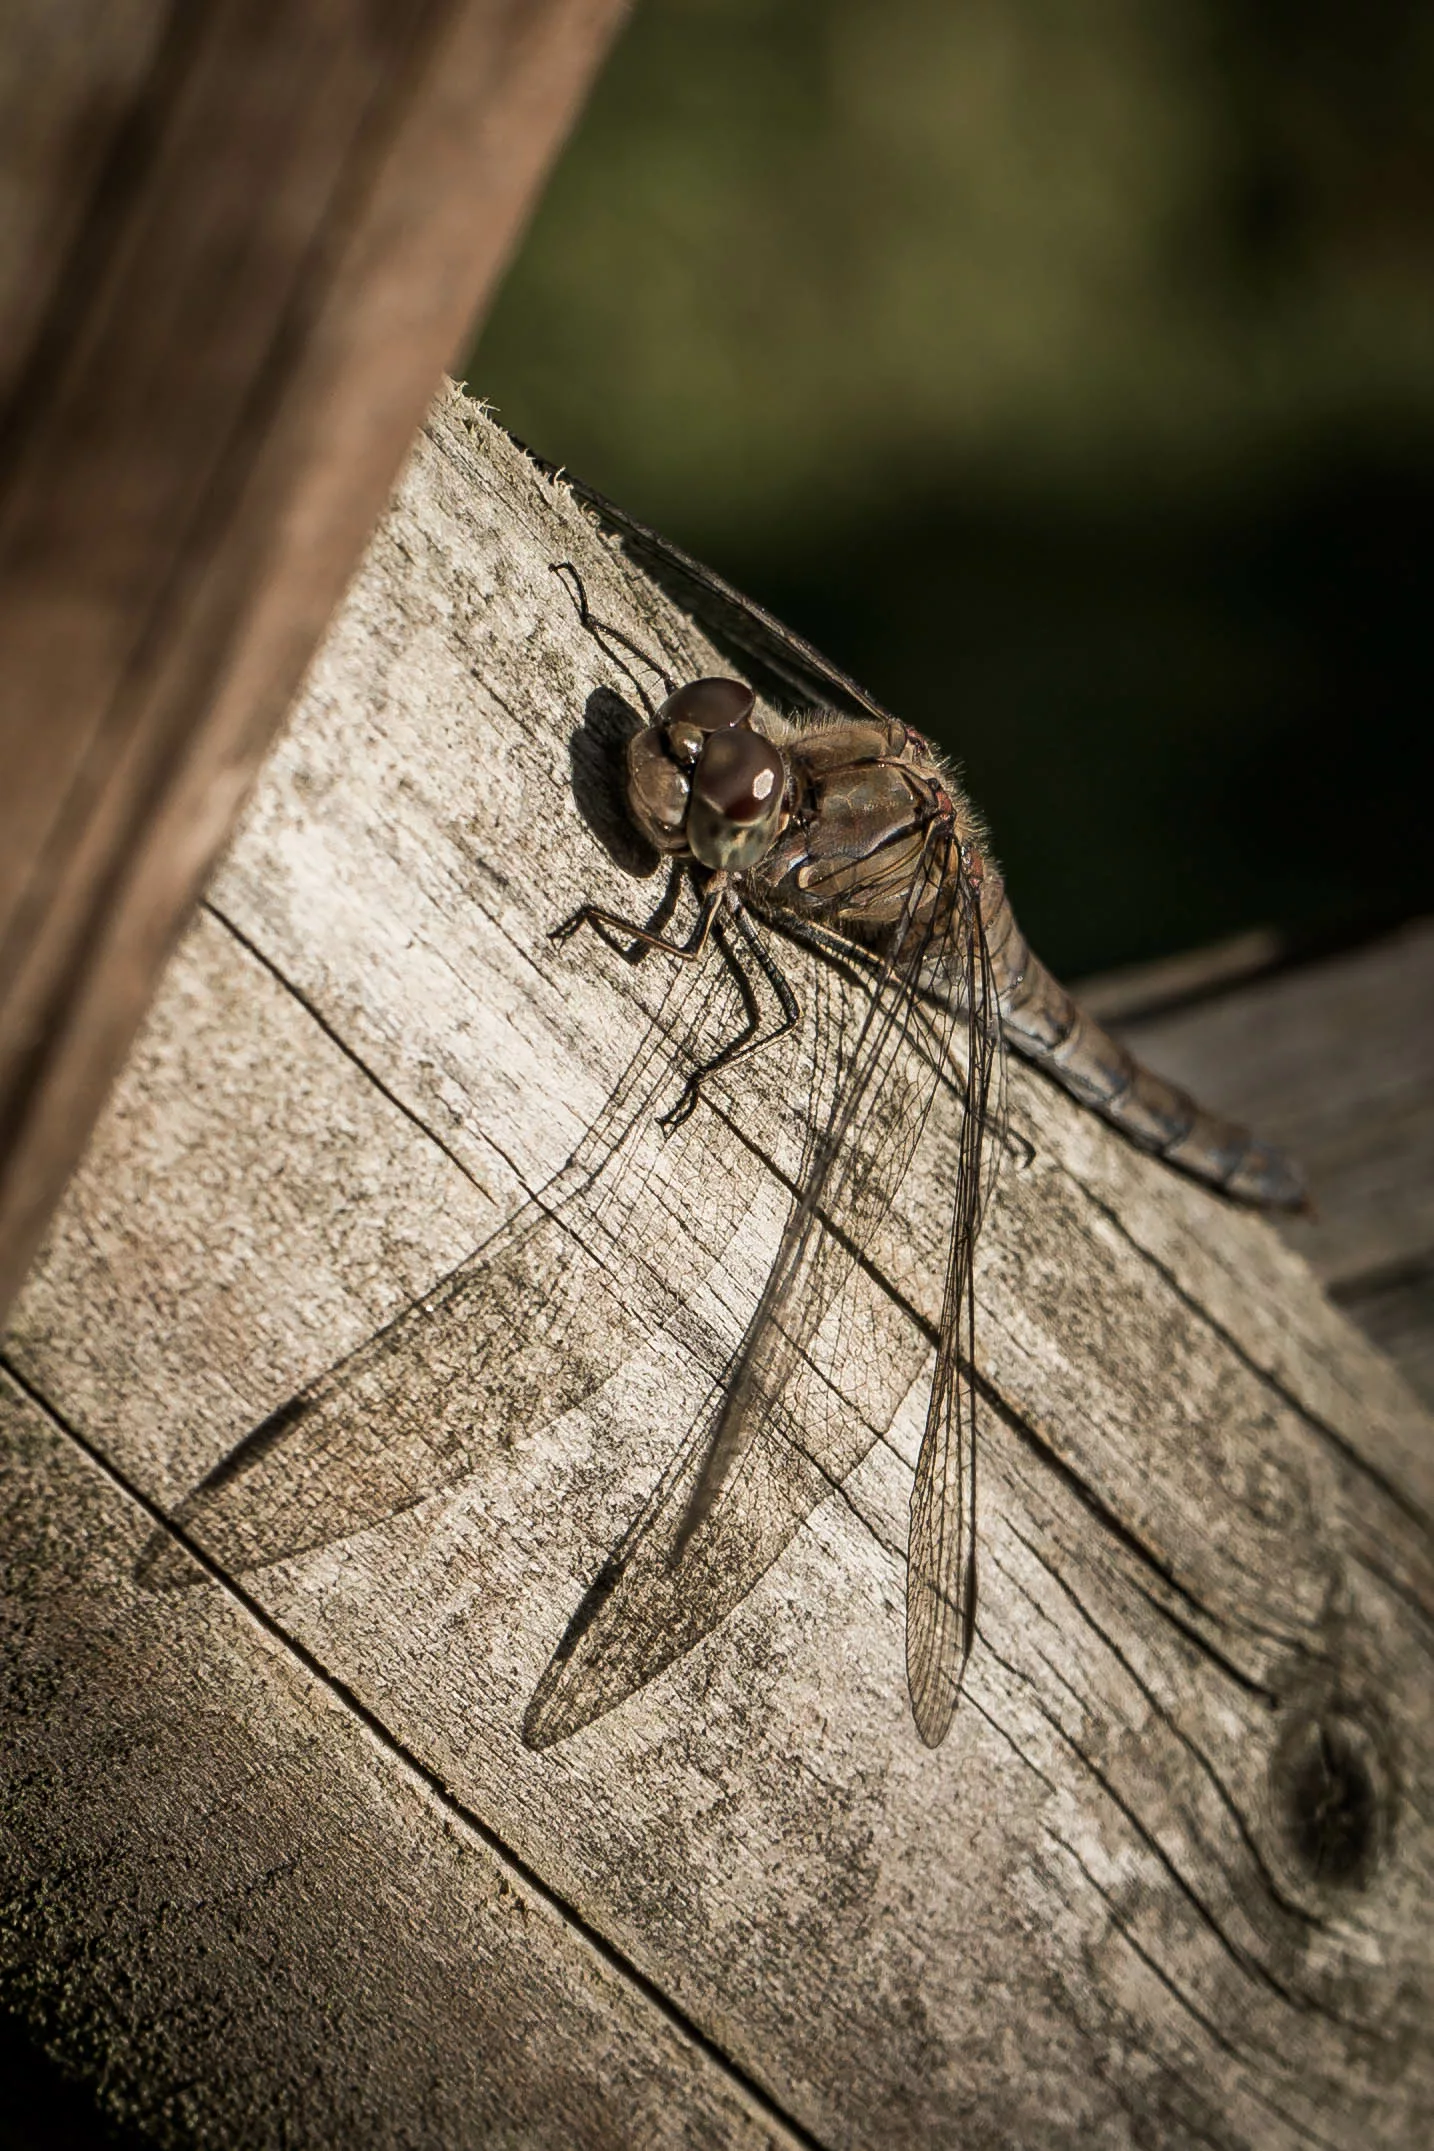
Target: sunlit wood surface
x: 278, y: 1865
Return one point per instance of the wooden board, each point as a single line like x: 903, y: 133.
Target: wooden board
x: 265, y: 1924
x: 1336, y: 1060
x: 1107, y: 1911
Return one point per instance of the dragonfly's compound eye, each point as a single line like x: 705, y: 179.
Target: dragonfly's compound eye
x: 744, y: 797
x: 738, y: 791
x: 710, y: 705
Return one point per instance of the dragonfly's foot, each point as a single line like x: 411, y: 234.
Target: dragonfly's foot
x: 677, y: 1116
x: 608, y: 929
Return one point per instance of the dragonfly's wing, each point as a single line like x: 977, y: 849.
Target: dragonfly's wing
x: 854, y: 1165
x: 827, y: 1355
x: 789, y: 664
x: 941, y: 1550
x: 523, y: 1330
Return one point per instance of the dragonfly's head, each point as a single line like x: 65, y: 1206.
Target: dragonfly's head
x: 700, y: 781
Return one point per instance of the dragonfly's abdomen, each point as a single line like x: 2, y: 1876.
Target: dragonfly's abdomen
x: 1046, y: 1025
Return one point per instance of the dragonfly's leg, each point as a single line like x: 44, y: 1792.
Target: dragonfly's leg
x: 639, y: 938
x: 776, y: 978
x: 603, y: 632
x: 752, y: 1039
x: 865, y: 968
x: 652, y: 932
x: 859, y: 962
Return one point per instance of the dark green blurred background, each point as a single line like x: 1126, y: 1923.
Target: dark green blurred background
x: 1065, y: 368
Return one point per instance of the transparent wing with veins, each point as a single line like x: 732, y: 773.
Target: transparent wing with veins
x: 941, y: 1549
x: 828, y: 1354
x: 612, y: 1250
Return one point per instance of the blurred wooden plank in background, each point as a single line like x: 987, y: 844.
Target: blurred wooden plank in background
x: 1335, y: 1060
x: 240, y: 243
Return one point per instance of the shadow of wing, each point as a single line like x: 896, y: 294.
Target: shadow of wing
x: 519, y: 1334
x: 509, y: 1342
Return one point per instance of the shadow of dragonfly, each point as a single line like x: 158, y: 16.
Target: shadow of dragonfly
x: 621, y: 1244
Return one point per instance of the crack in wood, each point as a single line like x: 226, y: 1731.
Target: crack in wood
x: 1277, y: 1896
x: 1240, y: 1957
x: 1301, y: 2129
x: 336, y: 1038
x: 350, y: 1701
x: 1341, y: 1443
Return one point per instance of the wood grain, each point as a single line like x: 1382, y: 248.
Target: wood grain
x: 241, y: 241
x: 1114, y: 1909
x: 269, y: 1926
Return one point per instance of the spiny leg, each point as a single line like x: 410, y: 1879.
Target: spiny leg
x: 603, y: 632
x: 752, y: 1014
x: 775, y: 976
x: 652, y: 931
x: 640, y: 938
x: 750, y: 1040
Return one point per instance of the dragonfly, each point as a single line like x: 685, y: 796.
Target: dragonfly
x: 840, y: 832
x: 852, y: 833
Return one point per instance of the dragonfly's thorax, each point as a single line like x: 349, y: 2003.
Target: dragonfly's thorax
x: 864, y: 796
x: 702, y: 784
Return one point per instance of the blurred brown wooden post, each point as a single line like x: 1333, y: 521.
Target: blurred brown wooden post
x: 240, y: 241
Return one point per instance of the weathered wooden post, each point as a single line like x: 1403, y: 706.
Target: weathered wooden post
x: 278, y: 1863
